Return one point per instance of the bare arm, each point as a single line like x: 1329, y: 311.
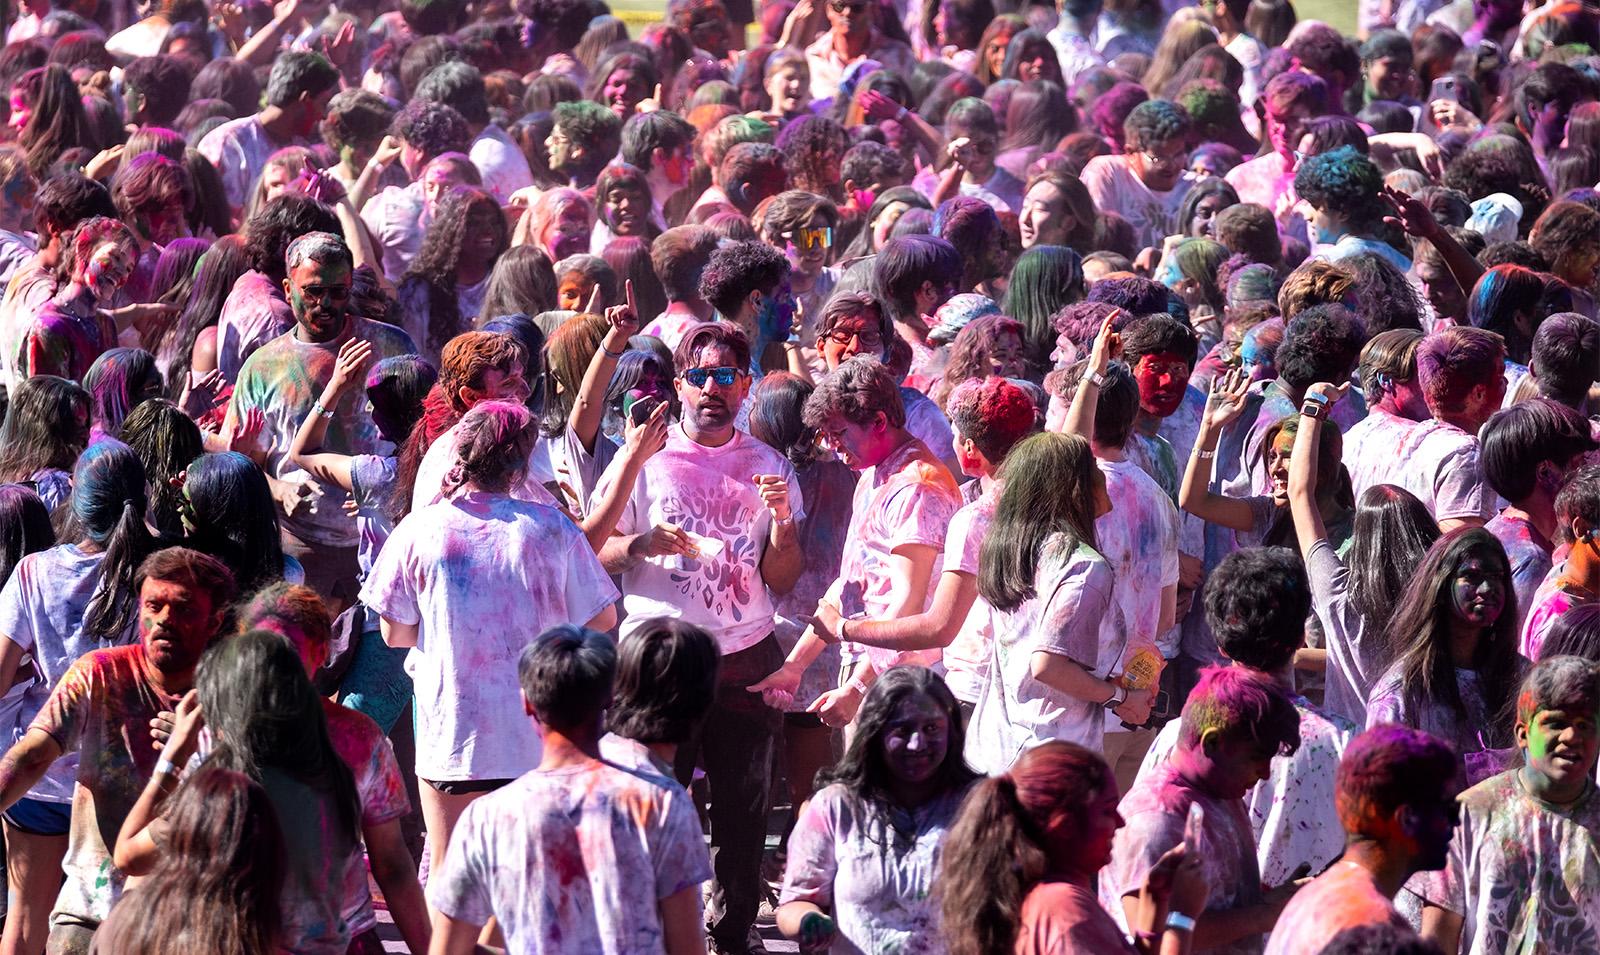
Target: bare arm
x: 452, y: 937
x: 782, y: 561
x: 24, y: 764
x: 589, y: 407
x: 138, y: 848
x: 1415, y: 218
x: 1442, y: 927
x: 1085, y: 401
x: 396, y: 875
x: 262, y: 48
x: 1308, y: 524
x: 681, y: 930
x: 937, y: 627
x: 1223, y: 405
x: 397, y: 634
x: 304, y: 449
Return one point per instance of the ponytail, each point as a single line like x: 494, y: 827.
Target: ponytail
x: 109, y: 499
x: 989, y: 863
x: 110, y: 611
x: 995, y: 852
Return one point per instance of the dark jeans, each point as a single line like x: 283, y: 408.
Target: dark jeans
x: 735, y: 746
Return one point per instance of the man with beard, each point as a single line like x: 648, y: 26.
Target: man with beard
x: 708, y: 537
x: 103, y: 709
x: 281, y: 383
x: 585, y: 137
x: 297, y: 95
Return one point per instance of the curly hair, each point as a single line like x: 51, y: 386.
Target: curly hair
x: 269, y: 232
x: 1156, y: 123
x: 1132, y: 293
x: 858, y: 390
x: 1564, y: 233
x: 435, y: 265
x: 736, y: 270
x: 1315, y: 282
x: 1344, y: 181
x: 1250, y: 230
x: 813, y: 147
x: 589, y: 124
x: 1322, y: 343
x: 432, y: 128
x: 1257, y: 601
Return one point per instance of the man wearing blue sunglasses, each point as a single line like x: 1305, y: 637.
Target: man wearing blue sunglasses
x: 708, y: 536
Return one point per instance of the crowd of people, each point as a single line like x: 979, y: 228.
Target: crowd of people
x: 908, y: 476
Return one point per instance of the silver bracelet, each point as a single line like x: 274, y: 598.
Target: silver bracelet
x: 320, y: 410
x: 1203, y: 454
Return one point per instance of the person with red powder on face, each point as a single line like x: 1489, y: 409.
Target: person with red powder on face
x: 1396, y: 793
x: 1234, y: 723
x: 297, y: 95
x: 1290, y: 99
x: 70, y: 331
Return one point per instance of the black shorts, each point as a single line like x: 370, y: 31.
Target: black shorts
x: 466, y: 787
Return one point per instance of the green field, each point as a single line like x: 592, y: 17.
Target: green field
x: 1340, y: 13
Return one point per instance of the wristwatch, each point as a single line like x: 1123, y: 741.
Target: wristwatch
x: 1119, y: 693
x: 1313, y: 409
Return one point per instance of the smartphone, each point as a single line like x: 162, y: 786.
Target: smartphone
x: 1192, y: 827
x: 639, y: 409
x: 1444, y: 88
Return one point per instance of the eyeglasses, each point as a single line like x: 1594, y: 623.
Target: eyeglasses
x: 851, y: 7
x: 724, y: 376
x: 337, y: 293
x: 869, y: 341
x: 1176, y: 159
x: 809, y: 239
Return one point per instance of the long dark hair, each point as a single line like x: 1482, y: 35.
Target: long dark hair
x: 216, y: 885
x: 1418, y: 637
x: 46, y: 427
x: 24, y: 527
x: 995, y: 853
x: 219, y: 268
x: 1393, y: 531
x: 108, y: 502
x: 776, y: 420
x: 861, y: 769
x: 1049, y: 491
x: 435, y: 266
x: 523, y: 283
x: 258, y: 700
x: 236, y: 519
x: 167, y: 441
x: 58, y: 121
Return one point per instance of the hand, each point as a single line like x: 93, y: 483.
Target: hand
x: 956, y: 150
x: 1191, y: 570
x: 648, y: 436
x: 624, y: 318
x: 1331, y: 392
x: 1430, y: 155
x: 149, y: 319
x: 161, y: 729
x: 1107, y: 344
x: 816, y: 930
x: 339, y: 47
x: 836, y: 707
x: 1135, y: 710
x: 650, y: 103
x: 879, y: 108
x: 1227, y: 399
x: 390, y: 149
x: 795, y: 20
x: 1178, y: 879
x: 1147, y: 261
x: 348, y: 368
x: 1280, y: 896
x: 778, y: 689
x: 241, y: 432
x: 774, y: 491
x: 293, y: 496
x: 1447, y: 113
x: 105, y: 162
x: 826, y: 623
x: 199, y: 397
x: 286, y: 9
x: 660, y: 541
x: 1411, y: 214
x: 185, y: 738
x: 229, y: 19
x: 318, y: 185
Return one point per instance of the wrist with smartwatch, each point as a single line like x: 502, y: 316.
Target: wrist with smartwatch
x: 1119, y: 694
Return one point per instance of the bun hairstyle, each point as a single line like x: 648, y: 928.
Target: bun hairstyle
x: 496, y: 438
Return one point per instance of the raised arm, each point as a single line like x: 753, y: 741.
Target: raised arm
x: 305, y: 448
x: 589, y: 408
x: 1308, y: 523
x: 137, y: 849
x: 1415, y: 218
x: 1107, y: 346
x: 1223, y: 405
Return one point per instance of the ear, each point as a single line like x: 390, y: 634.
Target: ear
x: 527, y: 708
x: 286, y: 290
x: 1211, y: 742
x: 1521, y: 734
x: 1408, y: 821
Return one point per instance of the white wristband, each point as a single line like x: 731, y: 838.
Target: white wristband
x: 1179, y: 921
x: 165, y: 766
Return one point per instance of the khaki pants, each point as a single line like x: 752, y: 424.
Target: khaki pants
x: 1124, y: 752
